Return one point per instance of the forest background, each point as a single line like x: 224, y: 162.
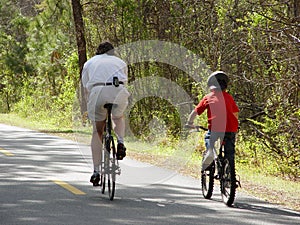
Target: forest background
x: 44, y: 44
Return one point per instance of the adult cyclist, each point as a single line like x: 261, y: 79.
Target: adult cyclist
x: 104, y: 77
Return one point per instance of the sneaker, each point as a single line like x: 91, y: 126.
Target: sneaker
x: 95, y: 178
x: 121, y: 151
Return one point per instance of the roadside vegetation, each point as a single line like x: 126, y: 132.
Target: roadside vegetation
x: 46, y: 42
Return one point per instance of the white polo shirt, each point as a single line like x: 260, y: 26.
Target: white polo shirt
x: 101, y: 69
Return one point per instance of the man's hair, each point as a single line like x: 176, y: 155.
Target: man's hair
x: 105, y: 47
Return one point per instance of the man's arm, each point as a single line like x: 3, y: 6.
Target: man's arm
x: 86, y: 94
x: 84, y: 80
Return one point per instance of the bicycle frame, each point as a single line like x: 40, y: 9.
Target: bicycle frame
x: 110, y: 166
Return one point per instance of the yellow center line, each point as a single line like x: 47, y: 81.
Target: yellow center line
x: 69, y: 187
x: 5, y: 152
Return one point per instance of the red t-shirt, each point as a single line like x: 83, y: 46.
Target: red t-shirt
x: 220, y: 107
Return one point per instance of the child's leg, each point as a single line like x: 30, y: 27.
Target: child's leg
x: 208, y: 155
x: 230, y: 144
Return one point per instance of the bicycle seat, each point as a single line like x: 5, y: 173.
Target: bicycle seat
x: 109, y: 105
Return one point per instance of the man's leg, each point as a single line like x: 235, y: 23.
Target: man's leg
x: 96, y: 146
x: 119, y: 128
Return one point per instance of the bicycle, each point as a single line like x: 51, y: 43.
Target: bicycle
x: 223, y: 169
x: 109, y: 165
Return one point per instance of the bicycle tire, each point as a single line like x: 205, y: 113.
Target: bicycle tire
x: 228, y: 182
x: 102, y: 183
x: 207, y: 181
x: 111, y: 175
x: 104, y: 168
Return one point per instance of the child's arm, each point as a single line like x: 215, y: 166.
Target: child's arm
x: 236, y: 114
x: 192, y: 117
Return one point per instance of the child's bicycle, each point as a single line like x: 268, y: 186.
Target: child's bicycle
x: 223, y: 169
x: 109, y: 166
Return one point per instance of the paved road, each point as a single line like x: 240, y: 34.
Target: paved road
x: 44, y: 180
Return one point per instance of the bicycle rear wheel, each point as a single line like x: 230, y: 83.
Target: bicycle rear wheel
x: 103, y: 170
x: 228, y: 182
x: 104, y: 166
x: 207, y: 181
x: 102, y: 180
x: 111, y: 174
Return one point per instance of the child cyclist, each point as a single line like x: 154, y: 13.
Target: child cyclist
x: 222, y: 115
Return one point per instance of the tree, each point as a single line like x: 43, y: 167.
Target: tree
x: 81, y: 44
x: 13, y: 63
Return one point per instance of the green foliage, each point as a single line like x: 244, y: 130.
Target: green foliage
x: 163, y: 119
x: 45, y: 89
x: 13, y: 64
x: 38, y: 104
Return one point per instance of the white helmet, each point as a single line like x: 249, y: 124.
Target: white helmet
x: 218, y: 80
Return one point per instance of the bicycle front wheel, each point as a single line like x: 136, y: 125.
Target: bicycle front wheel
x: 207, y: 181
x: 228, y: 182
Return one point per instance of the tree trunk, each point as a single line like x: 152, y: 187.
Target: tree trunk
x: 296, y: 8
x: 81, y: 46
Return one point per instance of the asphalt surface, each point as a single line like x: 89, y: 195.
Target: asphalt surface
x: 45, y: 180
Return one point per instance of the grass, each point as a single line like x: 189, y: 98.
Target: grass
x: 182, y: 156
x: 270, y: 188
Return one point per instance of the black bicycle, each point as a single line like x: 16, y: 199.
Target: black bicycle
x: 223, y: 169
x: 110, y: 165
